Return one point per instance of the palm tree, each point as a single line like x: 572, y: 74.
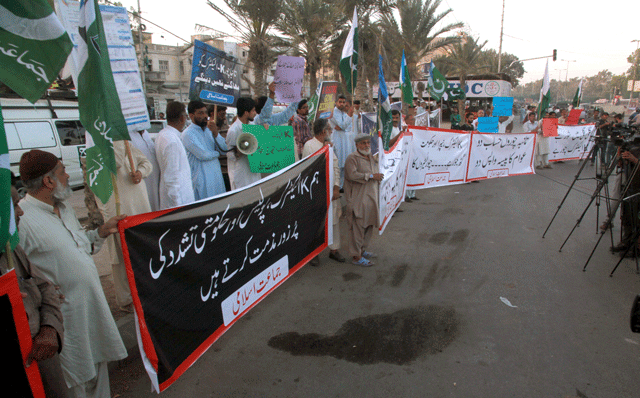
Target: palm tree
x: 306, y: 26
x: 417, y: 31
x: 510, y: 64
x: 254, y: 20
x: 463, y: 59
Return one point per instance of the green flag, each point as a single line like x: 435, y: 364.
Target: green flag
x: 349, y: 59
x: 8, y: 230
x: 98, y: 101
x: 578, y: 96
x: 545, y: 93
x: 313, y: 105
x: 438, y: 84
x: 385, y: 120
x: 34, y: 46
x: 98, y: 177
x: 405, y: 82
x: 455, y: 93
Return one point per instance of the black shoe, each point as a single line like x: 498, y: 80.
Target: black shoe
x: 408, y: 200
x: 341, y: 190
x: 337, y: 257
x: 618, y: 248
x: 415, y: 198
x: 315, y: 262
x: 399, y: 210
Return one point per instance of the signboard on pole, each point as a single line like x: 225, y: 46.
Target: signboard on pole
x: 215, y: 76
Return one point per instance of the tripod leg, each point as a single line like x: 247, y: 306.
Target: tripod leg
x: 584, y: 163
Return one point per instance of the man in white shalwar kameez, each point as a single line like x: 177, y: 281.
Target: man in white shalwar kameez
x: 342, y: 136
x: 321, y: 136
x: 133, y: 200
x: 176, y: 188
x: 240, y: 174
x: 61, y: 249
x: 142, y: 140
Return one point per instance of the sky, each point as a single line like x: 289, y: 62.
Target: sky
x: 588, y: 38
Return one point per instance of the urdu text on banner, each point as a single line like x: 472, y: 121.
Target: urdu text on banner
x: 196, y: 269
x: 394, y: 165
x: 572, y: 142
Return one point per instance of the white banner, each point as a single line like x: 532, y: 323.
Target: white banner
x: 439, y: 157
x: 393, y: 165
x: 572, y: 142
x: 500, y: 155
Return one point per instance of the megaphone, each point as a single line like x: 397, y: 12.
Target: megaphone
x: 247, y: 143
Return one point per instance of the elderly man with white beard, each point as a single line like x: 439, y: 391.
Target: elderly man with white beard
x: 58, y: 246
x: 361, y: 184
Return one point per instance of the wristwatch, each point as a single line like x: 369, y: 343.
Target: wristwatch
x: 370, y: 176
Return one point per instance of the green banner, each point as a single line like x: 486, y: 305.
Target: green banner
x: 275, y: 148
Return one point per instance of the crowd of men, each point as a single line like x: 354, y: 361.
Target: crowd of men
x: 73, y: 330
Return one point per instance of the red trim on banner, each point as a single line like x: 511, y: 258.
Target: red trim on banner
x: 9, y: 286
x: 533, y: 158
x: 147, y: 343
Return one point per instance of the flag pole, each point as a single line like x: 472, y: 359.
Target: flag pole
x: 116, y: 193
x: 7, y: 250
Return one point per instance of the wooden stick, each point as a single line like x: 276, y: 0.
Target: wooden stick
x: 116, y: 193
x: 7, y: 250
x: 128, y: 150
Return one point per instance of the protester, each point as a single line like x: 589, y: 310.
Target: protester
x: 629, y: 215
x: 542, y: 145
x: 264, y: 108
x: 475, y: 120
x: 395, y: 129
x: 176, y: 188
x: 301, y: 128
x: 142, y: 141
x: 361, y: 185
x: 455, y: 118
x: 132, y: 194
x: 357, y: 121
x: 503, y: 123
x: 160, y: 116
x: 469, y: 118
x: 42, y: 304
x: 61, y: 249
x: 203, y: 150
x: 322, y: 136
x: 563, y: 116
x: 240, y: 173
x: 342, y: 127
x: 218, y: 120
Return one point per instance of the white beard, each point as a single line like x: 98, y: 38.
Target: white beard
x: 365, y: 153
x: 61, y: 193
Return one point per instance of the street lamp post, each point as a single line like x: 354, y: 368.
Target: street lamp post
x: 566, y: 77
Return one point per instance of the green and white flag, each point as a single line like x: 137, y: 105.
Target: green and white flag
x: 349, y: 59
x: 313, y: 105
x: 405, y: 82
x: 8, y: 230
x: 437, y: 84
x: 545, y: 94
x: 98, y: 177
x: 34, y: 46
x: 578, y: 97
x: 98, y: 101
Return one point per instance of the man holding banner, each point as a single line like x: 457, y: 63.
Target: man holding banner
x: 240, y: 174
x: 361, y: 181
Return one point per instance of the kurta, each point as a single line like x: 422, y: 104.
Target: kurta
x: 61, y: 249
x: 266, y: 116
x: 502, y: 126
x: 240, y: 174
x: 145, y: 144
x: 342, y: 139
x: 361, y: 191
x: 312, y: 146
x: 542, y: 142
x: 176, y: 188
x: 203, y: 156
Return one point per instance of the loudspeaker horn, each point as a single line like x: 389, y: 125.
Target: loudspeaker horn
x: 247, y: 143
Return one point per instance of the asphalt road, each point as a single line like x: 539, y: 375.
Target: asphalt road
x: 465, y: 300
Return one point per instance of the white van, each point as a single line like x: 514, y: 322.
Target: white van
x: 49, y: 125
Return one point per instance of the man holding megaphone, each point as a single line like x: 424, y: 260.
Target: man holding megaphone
x: 240, y: 145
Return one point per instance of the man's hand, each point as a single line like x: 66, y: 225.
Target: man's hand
x: 213, y: 127
x: 111, y: 226
x: 136, y: 177
x: 378, y: 176
x: 45, y: 345
x: 626, y: 155
x: 272, y: 90
x: 336, y: 193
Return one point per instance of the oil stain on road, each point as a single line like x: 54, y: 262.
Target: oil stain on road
x: 397, y: 338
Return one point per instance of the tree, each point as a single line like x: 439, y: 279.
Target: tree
x: 510, y: 65
x: 254, y: 20
x: 463, y: 59
x: 419, y: 31
x: 306, y: 26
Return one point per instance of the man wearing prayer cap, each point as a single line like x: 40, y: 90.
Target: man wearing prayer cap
x: 361, y: 183
x: 61, y: 249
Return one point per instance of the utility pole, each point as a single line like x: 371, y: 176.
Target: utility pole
x: 501, y: 31
x: 566, y: 78
x: 142, y: 74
